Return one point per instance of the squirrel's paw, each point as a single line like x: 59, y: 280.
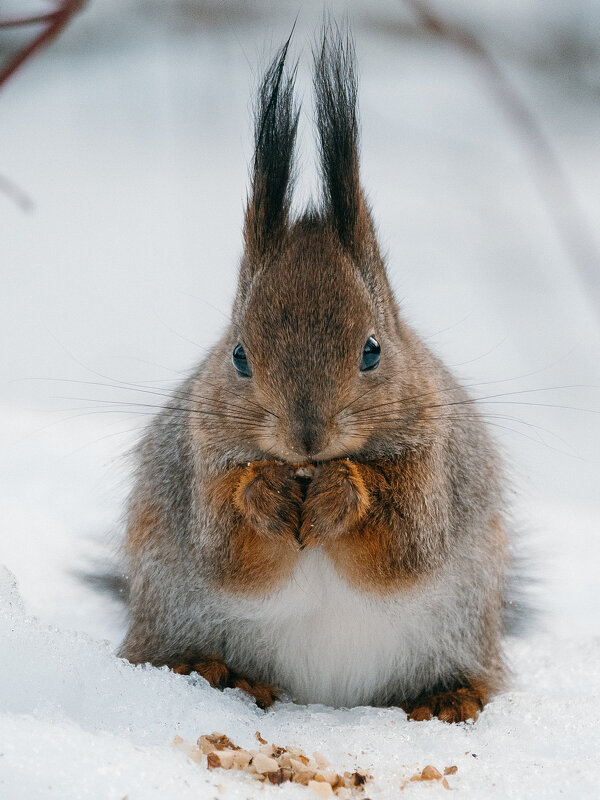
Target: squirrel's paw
x: 269, y: 497
x: 456, y: 706
x: 263, y: 694
x: 336, y: 500
x: 213, y: 669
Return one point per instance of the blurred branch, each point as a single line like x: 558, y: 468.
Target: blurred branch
x: 17, y: 22
x: 16, y: 194
x: 548, y: 174
x: 54, y: 22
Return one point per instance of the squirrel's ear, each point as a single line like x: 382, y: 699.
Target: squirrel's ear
x: 275, y: 126
x: 335, y: 86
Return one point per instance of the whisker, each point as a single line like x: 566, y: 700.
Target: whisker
x: 159, y: 407
x: 178, y: 394
x: 252, y: 402
x: 485, y: 398
x: 362, y: 394
x: 460, y: 415
x: 118, y: 408
x: 126, y: 384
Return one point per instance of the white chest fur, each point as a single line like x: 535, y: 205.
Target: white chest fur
x: 325, y: 642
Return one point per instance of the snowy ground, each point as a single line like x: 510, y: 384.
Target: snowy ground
x: 78, y: 723
x: 131, y: 136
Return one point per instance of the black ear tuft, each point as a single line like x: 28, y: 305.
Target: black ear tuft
x: 336, y: 89
x: 276, y: 123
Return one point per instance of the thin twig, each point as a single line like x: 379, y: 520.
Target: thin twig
x: 548, y: 174
x: 56, y: 20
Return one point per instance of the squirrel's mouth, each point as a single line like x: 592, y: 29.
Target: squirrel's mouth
x: 304, y: 476
x: 337, y: 444
x: 306, y: 472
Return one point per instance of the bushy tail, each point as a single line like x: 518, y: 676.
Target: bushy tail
x: 104, y: 577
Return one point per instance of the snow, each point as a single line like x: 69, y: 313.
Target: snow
x: 131, y: 136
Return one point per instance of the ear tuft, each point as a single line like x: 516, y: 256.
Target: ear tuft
x: 336, y: 89
x: 275, y: 127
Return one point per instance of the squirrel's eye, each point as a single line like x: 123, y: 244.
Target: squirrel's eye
x: 370, y: 356
x: 240, y: 361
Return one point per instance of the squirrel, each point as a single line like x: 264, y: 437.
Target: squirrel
x: 319, y: 509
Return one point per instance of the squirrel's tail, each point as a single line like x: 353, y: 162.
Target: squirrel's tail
x: 106, y: 578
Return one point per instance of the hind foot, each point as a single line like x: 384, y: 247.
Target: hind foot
x: 456, y: 706
x: 213, y: 669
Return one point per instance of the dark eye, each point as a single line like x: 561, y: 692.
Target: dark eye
x: 370, y: 356
x: 240, y: 362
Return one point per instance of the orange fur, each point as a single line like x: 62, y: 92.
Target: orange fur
x: 269, y: 497
x: 337, y: 499
x: 369, y: 558
x: 257, y: 564
x: 374, y: 506
x: 263, y: 502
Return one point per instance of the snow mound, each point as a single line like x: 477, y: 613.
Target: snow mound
x: 77, y: 722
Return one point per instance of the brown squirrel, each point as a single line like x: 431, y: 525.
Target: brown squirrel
x: 313, y: 512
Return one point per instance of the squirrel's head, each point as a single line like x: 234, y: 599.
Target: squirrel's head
x: 315, y: 338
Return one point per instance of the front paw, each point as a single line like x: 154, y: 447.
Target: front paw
x: 269, y: 497
x: 337, y: 499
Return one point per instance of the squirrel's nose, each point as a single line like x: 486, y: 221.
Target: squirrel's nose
x: 309, y: 440
x: 311, y: 436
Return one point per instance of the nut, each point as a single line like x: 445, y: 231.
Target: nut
x: 263, y: 763
x: 322, y: 788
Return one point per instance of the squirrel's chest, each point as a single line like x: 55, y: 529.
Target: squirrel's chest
x: 324, y: 641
